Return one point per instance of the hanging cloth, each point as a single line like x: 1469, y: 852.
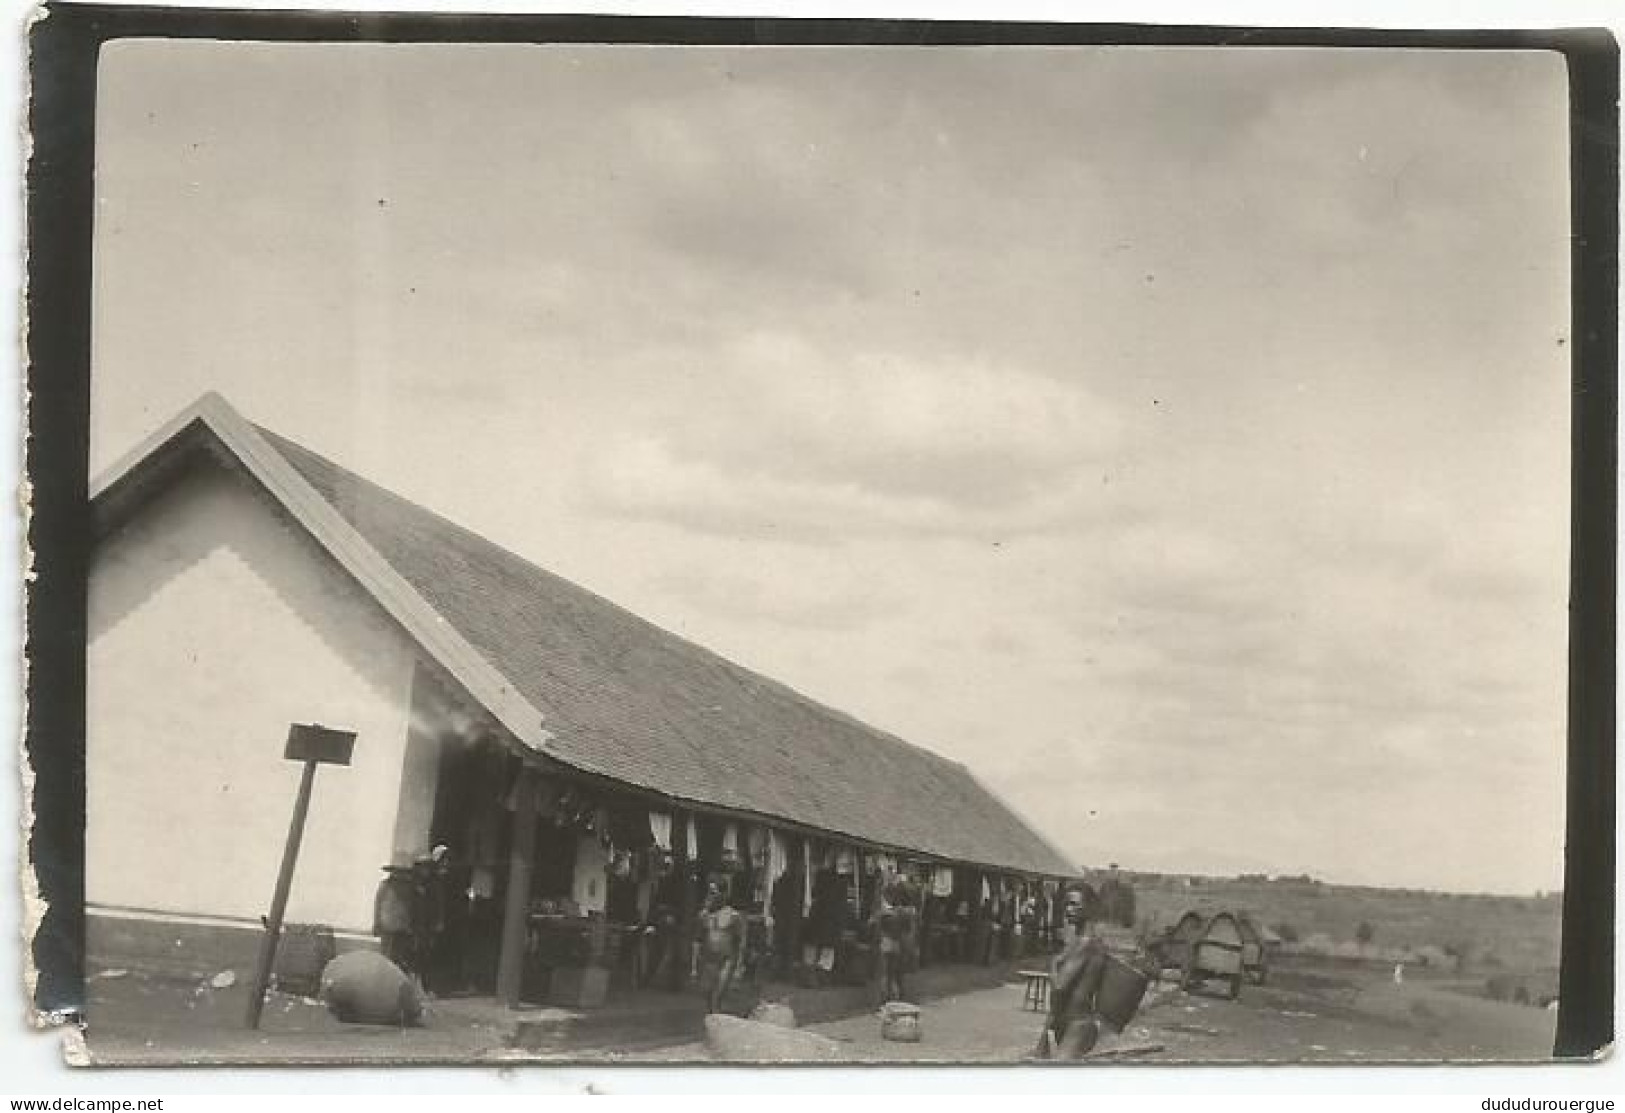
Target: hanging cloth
x: 778, y: 855
x: 730, y: 845
x: 693, y: 843
x: 942, y: 882
x: 807, y: 876
x: 773, y: 867
x: 987, y: 890
x: 660, y: 829
x: 846, y: 861
x: 777, y: 866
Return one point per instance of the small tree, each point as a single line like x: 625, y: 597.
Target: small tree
x: 1365, y: 933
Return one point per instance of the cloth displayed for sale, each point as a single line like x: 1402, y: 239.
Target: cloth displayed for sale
x: 589, y: 886
x: 778, y: 855
x: 775, y: 863
x: 807, y: 870
x: 660, y: 829
x: 942, y: 881
x: 692, y: 843
x: 730, y: 845
x: 846, y: 861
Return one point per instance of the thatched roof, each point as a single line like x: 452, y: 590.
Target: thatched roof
x: 595, y: 688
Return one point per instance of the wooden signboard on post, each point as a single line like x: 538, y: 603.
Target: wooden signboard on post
x: 314, y: 745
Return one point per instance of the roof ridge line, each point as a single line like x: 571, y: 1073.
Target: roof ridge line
x: 353, y: 552
x: 735, y: 670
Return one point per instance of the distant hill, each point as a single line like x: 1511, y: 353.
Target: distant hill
x: 1495, y: 932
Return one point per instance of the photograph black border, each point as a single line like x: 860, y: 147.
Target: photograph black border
x: 64, y: 43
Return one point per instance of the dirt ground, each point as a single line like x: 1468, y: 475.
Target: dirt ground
x: 1298, y: 1019
x: 1302, y: 1015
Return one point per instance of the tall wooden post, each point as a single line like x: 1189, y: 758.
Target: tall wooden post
x: 687, y: 857
x: 516, y: 906
x: 313, y: 745
x: 797, y: 916
x: 279, y: 898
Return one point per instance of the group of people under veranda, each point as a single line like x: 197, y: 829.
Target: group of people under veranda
x: 719, y: 947
x: 410, y: 908
x: 1071, y: 1028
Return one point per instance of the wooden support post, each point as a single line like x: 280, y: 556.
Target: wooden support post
x: 516, y: 908
x: 793, y: 931
x: 314, y: 745
x: 279, y: 898
x: 687, y: 856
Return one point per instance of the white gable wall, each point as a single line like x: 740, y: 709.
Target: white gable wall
x: 215, y: 621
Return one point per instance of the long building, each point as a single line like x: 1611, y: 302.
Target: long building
x: 580, y: 764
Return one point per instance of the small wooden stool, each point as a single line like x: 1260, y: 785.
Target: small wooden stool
x: 1036, y: 997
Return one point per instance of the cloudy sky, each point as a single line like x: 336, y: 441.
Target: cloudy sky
x: 1178, y: 437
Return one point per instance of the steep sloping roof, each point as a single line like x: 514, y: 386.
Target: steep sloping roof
x: 598, y: 689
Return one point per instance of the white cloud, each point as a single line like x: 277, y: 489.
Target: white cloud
x: 802, y: 441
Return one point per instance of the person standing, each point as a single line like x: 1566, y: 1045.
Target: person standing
x: 392, y: 916
x: 429, y: 880
x: 891, y: 923
x: 720, y: 948
x: 913, y: 925
x: 1072, y: 1026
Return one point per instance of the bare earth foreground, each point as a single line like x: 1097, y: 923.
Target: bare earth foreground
x: 1303, y: 1014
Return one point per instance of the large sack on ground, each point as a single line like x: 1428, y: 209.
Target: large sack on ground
x: 748, y: 1041
x: 364, y: 987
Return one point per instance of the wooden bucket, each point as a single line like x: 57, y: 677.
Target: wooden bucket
x: 900, y: 1022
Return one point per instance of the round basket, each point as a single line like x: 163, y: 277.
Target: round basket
x: 900, y: 1022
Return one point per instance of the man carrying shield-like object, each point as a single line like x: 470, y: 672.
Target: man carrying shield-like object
x: 1073, y: 1026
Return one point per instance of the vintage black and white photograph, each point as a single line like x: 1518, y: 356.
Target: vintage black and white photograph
x: 826, y: 553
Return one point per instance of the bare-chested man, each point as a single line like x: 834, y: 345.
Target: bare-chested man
x: 720, y: 948
x: 1075, y: 978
